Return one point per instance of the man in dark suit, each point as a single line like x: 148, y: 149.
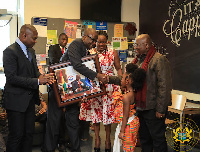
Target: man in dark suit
x: 21, y: 90
x: 56, y: 51
x: 55, y: 115
x: 78, y: 85
x: 75, y: 51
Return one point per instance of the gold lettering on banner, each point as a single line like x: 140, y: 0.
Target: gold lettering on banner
x: 183, y: 22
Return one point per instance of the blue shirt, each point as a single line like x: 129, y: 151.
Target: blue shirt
x: 23, y: 47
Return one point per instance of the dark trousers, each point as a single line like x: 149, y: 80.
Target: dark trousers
x: 63, y: 136
x: 21, y: 128
x: 54, y: 115
x: 84, y: 133
x: 2, y: 144
x: 73, y: 126
x: 152, y: 132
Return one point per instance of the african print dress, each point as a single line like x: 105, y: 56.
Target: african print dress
x: 131, y: 131
x: 100, y: 109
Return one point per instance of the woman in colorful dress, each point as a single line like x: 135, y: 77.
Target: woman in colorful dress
x: 128, y: 123
x: 100, y: 109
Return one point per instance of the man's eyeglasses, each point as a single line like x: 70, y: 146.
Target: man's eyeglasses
x: 135, y: 44
x: 93, y: 40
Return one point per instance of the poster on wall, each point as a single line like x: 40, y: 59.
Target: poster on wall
x: 78, y: 31
x: 41, y: 59
x: 101, y: 26
x: 116, y: 43
x: 175, y: 27
x: 52, y: 37
x: 118, y: 30
x: 124, y: 43
x: 123, y: 55
x: 40, y: 24
x: 88, y: 22
x: 70, y: 29
x: 89, y: 26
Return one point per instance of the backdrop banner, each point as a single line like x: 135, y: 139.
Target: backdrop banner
x: 174, y: 26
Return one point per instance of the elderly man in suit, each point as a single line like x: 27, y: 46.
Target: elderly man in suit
x: 22, y: 89
x: 153, y: 100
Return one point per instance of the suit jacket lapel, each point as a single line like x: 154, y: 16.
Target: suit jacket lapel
x: 25, y: 59
x: 34, y: 63
x: 60, y: 52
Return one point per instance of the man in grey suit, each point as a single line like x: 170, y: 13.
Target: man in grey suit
x: 21, y: 90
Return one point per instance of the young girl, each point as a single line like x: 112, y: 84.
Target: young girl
x: 128, y: 123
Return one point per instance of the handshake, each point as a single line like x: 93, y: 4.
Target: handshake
x: 103, y: 78
x: 46, y: 79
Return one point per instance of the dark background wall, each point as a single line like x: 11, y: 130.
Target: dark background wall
x: 174, y: 26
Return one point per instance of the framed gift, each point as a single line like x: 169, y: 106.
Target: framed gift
x: 71, y: 86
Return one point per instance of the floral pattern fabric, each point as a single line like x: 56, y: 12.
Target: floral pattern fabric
x: 100, y: 109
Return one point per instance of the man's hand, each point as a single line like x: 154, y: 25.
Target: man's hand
x: 51, y: 78
x: 44, y: 107
x: 107, y: 78
x: 3, y: 116
x: 84, y: 100
x: 46, y: 79
x: 43, y: 110
x: 102, y: 78
x: 160, y: 115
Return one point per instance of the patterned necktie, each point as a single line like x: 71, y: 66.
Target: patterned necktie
x: 62, y: 50
x: 29, y: 55
x: 79, y: 83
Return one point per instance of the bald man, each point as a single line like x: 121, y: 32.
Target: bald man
x: 155, y: 97
x: 21, y: 90
x: 75, y: 51
x: 80, y: 48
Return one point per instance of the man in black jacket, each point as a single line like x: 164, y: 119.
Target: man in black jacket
x: 55, y: 115
x: 22, y: 89
x: 76, y: 50
x: 56, y: 51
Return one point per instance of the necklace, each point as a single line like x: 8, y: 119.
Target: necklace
x: 129, y: 91
x: 101, y: 52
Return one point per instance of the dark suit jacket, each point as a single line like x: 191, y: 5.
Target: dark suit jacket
x: 75, y: 85
x: 115, y: 80
x: 55, y: 54
x: 21, y: 78
x: 75, y: 51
